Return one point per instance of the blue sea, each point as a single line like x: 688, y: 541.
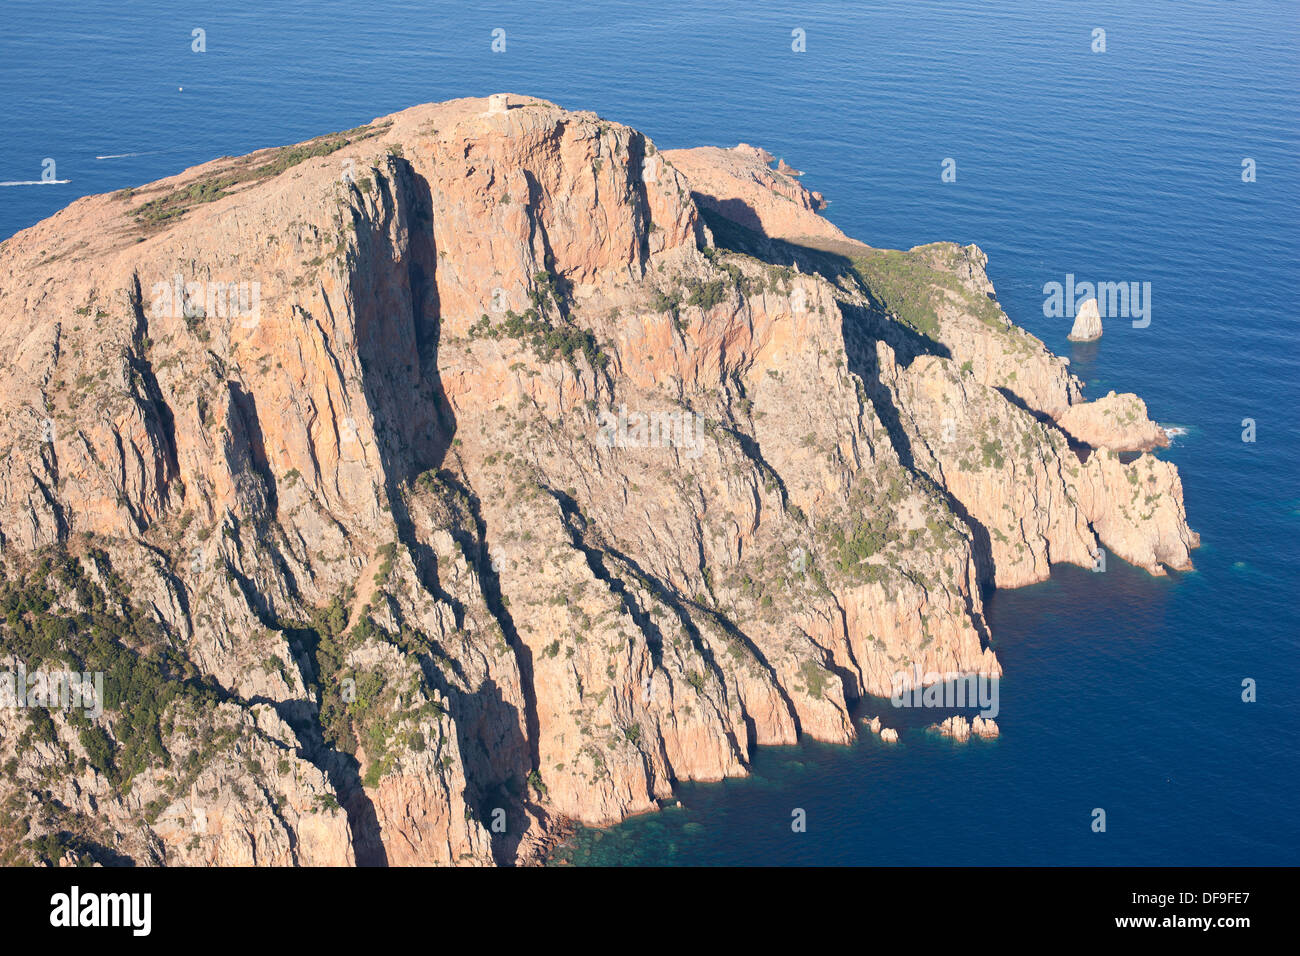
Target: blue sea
x: 1122, y: 691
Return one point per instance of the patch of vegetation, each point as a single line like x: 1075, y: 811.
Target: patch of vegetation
x: 668, y: 302
x: 174, y: 205
x: 57, y: 618
x: 359, y: 707
x: 549, y: 338
x: 991, y: 453
x: 815, y: 679
x: 914, y: 284
x: 866, y: 538
x: 706, y: 295
x: 535, y: 781
x: 385, y: 572
x: 903, y: 284
x: 868, y: 528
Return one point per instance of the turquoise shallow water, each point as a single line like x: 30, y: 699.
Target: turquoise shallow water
x: 1122, y: 690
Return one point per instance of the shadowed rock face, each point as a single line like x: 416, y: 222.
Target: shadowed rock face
x: 509, y: 486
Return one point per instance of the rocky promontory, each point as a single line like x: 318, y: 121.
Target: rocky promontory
x: 424, y: 488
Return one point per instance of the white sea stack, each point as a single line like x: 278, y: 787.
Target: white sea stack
x: 1087, y: 324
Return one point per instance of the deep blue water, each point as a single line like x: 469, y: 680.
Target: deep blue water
x: 1122, y: 690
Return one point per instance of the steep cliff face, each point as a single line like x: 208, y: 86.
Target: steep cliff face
x: 476, y: 470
